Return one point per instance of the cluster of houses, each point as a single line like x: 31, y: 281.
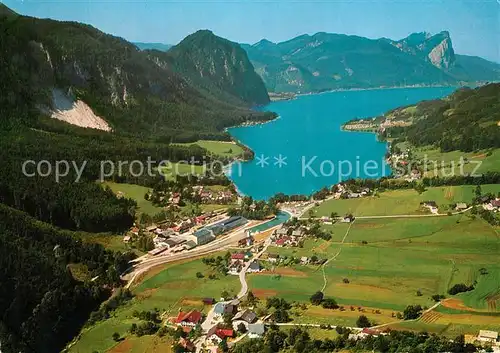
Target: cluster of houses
x: 340, y: 191
x: 239, y: 316
x: 276, y: 259
x: 215, y: 330
x: 491, y: 204
x: 433, y: 207
x: 287, y: 236
x: 207, y: 195
x: 361, y: 125
x: 203, y: 193
x: 239, y: 260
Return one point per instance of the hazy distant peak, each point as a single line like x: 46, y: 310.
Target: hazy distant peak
x: 152, y: 46
x: 263, y: 42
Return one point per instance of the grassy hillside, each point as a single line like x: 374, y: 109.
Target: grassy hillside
x: 399, y: 258
x: 403, y: 202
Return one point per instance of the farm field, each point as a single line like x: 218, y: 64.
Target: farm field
x: 450, y: 325
x: 315, y: 332
x: 171, y: 171
x: 449, y: 162
x: 402, y: 202
x: 220, y: 148
x: 318, y: 315
x: 112, y: 242
x: 168, y: 288
x: 387, y: 261
x: 135, y: 192
x: 144, y: 344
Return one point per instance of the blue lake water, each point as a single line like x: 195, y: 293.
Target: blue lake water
x: 314, y: 151
x: 281, y: 217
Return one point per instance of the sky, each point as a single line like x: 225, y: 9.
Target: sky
x: 474, y: 25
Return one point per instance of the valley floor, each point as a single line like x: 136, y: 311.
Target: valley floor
x: 377, y: 267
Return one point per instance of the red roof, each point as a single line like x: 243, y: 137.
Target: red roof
x: 370, y: 331
x: 223, y: 333
x: 238, y: 256
x: 281, y: 241
x: 495, y: 203
x: 200, y: 218
x: 194, y: 317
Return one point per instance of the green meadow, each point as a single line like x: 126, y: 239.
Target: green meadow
x: 170, y: 289
x: 135, y: 192
x: 449, y: 162
x: 173, y: 169
x: 219, y: 148
x: 392, y: 263
x: 402, y: 202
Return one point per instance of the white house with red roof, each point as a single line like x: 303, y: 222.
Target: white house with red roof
x: 191, y: 318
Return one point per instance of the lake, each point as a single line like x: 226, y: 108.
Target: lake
x: 305, y: 149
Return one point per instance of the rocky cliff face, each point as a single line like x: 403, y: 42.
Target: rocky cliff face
x: 437, y: 49
x: 442, y: 55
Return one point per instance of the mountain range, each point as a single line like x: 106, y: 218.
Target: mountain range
x: 152, y: 46
x: 144, y: 92
x: 326, y: 61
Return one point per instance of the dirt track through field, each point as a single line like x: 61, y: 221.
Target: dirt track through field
x: 334, y: 257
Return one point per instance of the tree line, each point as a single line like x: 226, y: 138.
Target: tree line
x: 298, y: 340
x: 43, y: 306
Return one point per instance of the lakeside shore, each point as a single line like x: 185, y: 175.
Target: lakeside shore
x: 251, y: 123
x: 373, y: 89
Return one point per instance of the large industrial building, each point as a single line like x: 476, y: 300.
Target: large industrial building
x: 203, y: 236
x: 207, y: 234
x: 228, y: 224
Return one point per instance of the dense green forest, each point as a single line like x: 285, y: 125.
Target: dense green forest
x: 467, y: 121
x: 83, y: 205
x: 42, y: 305
x: 217, y: 65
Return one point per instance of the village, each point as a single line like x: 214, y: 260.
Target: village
x: 231, y: 318
x: 230, y: 321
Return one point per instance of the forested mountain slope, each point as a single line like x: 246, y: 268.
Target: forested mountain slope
x: 147, y: 103
x: 133, y: 93
x: 218, y: 65
x: 467, y: 120
x: 327, y: 61
x: 42, y: 305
